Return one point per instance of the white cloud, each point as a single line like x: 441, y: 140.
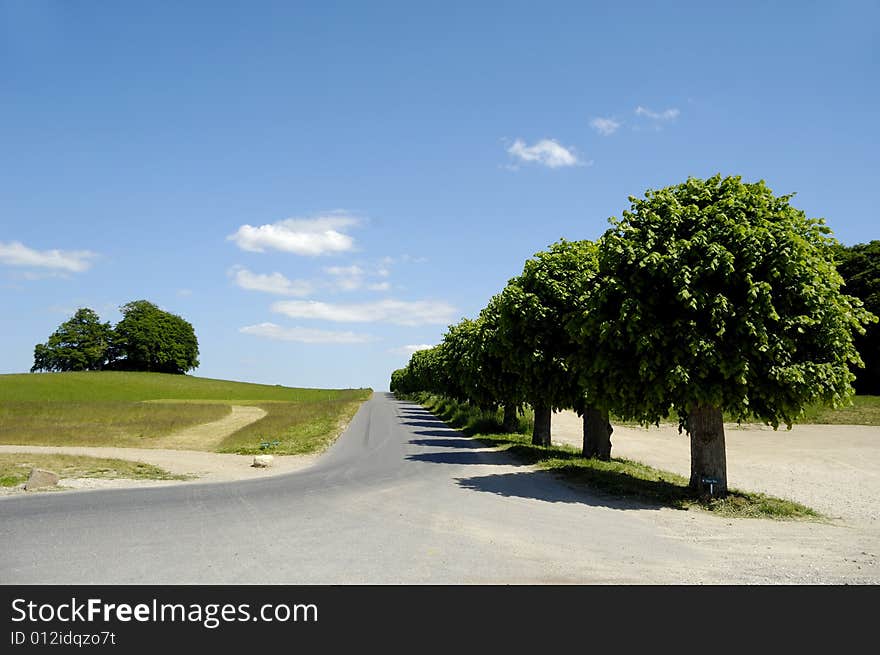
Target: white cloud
x: 605, y: 126
x: 398, y: 312
x: 184, y: 293
x: 379, y: 286
x: 546, y: 152
x: 272, y: 283
x: 15, y: 253
x: 320, y: 235
x: 409, y: 350
x: 409, y: 259
x: 303, y: 335
x: 665, y: 115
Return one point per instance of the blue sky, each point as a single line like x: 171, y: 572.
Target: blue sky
x: 319, y: 187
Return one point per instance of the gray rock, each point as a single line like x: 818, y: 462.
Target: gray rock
x: 262, y: 461
x: 41, y: 478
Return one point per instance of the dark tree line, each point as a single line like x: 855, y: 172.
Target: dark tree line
x: 146, y: 339
x: 860, y: 267
x: 708, y: 298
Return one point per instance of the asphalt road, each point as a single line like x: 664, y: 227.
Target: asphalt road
x: 401, y: 498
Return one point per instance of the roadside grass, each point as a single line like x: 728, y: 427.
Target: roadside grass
x: 111, y: 408
x: 618, y: 478
x: 293, y: 428
x: 16, y: 467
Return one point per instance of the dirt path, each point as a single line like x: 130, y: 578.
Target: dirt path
x: 832, y: 468
x: 208, y: 436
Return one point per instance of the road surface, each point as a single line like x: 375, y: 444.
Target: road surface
x: 401, y: 498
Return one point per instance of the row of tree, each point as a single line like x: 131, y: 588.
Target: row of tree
x: 146, y: 339
x: 709, y: 298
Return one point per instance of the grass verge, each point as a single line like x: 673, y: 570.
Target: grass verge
x: 16, y: 467
x: 619, y: 478
x: 293, y: 428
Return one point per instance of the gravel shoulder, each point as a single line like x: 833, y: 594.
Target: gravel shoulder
x: 834, y: 469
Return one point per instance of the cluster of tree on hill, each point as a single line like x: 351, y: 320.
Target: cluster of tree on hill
x: 707, y: 298
x: 146, y: 339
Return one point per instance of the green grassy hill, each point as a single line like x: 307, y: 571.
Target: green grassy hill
x: 113, y: 385
x: 146, y: 410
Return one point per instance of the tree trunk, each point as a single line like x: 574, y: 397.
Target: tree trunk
x: 510, y: 422
x: 541, y: 431
x: 597, y: 434
x: 708, y: 456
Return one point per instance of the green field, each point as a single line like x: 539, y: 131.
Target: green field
x: 145, y: 410
x: 865, y: 410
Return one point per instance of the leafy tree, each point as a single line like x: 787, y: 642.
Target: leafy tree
x: 399, y: 381
x: 717, y: 296
x: 860, y: 267
x: 79, y: 344
x: 533, y: 311
x: 493, y: 381
x: 149, y: 339
x: 423, y: 372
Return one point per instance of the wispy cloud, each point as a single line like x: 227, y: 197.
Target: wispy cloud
x: 184, y: 293
x: 545, y: 152
x: 318, y: 235
x: 346, y: 278
x: 356, y: 277
x: 274, y: 283
x: 605, y: 126
x: 665, y: 115
x: 303, y: 335
x: 398, y: 312
x: 15, y: 253
x: 409, y: 350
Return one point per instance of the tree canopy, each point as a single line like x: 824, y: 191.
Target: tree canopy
x: 715, y: 296
x: 79, y: 344
x: 533, y: 309
x: 150, y: 339
x: 717, y: 292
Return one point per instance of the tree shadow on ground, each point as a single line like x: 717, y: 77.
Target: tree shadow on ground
x: 464, y: 457
x: 565, y: 483
x: 544, y: 486
x: 461, y: 442
x: 424, y: 424
x: 452, y: 434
